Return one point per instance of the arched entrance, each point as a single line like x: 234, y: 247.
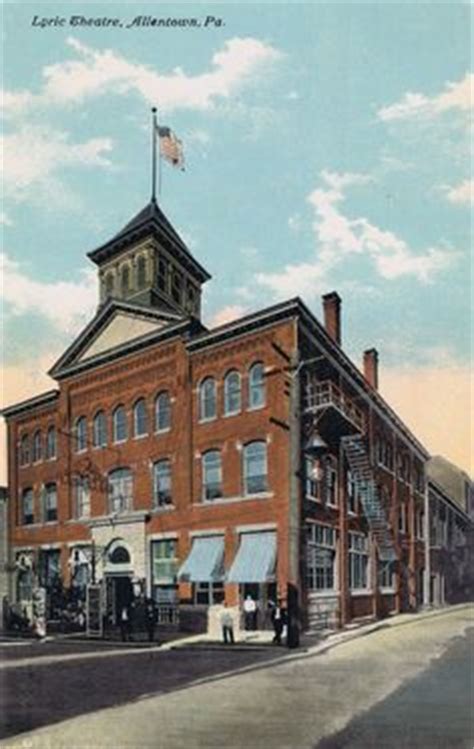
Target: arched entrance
x: 118, y: 574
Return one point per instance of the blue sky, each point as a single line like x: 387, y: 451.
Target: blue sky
x: 326, y: 147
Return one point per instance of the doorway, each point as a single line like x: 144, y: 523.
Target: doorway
x: 119, y: 595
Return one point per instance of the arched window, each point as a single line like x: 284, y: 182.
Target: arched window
x: 141, y: 272
x: 255, y: 468
x: 140, y: 426
x: 51, y: 443
x: 109, y: 284
x: 232, y: 393
x: 27, y: 507
x: 120, y: 490
x: 211, y: 475
x: 162, y: 483
x: 207, y: 399
x: 119, y: 555
x: 162, y: 412
x: 37, y: 447
x: 256, y: 386
x: 81, y: 434
x: 50, y: 503
x: 100, y: 429
x: 125, y: 280
x: 120, y: 424
x: 24, y: 450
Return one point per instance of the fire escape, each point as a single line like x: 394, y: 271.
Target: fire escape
x: 329, y: 411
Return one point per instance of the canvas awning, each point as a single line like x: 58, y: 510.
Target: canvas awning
x: 255, y: 560
x: 205, y: 561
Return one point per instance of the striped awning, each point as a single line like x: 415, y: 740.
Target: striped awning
x: 255, y: 560
x: 205, y: 561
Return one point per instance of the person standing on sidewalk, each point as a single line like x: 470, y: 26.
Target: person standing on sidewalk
x: 250, y: 613
x: 227, y: 624
x: 125, y: 624
x: 150, y: 618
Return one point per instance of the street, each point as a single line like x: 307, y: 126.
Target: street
x: 407, y: 685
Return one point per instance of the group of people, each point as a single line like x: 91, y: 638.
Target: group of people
x: 278, y: 616
x: 128, y: 616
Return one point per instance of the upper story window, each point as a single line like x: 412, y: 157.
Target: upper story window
x: 99, y: 430
x: 125, y: 280
x: 177, y: 287
x: 232, y: 393
x: 120, y: 424
x: 120, y: 490
x: 211, y: 475
x: 140, y: 418
x: 314, y: 478
x: 256, y: 386
x: 162, y: 277
x: 162, y: 412
x: 418, y: 479
x: 402, y: 518
x: 82, y: 497
x: 50, y: 503
x: 81, y: 434
x: 351, y: 491
x: 162, y: 483
x: 27, y: 507
x: 207, y: 399
x: 255, y: 468
x: 109, y: 284
x: 37, y: 447
x: 141, y: 272
x: 51, y: 443
x: 331, y: 480
x: 24, y: 450
x: 385, y: 452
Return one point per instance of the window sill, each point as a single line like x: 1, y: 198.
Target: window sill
x: 52, y: 459
x: 140, y: 436
x: 208, y: 420
x: 360, y: 592
x: 331, y: 506
x: 387, y: 591
x: 256, y: 408
x: 119, y: 442
x: 230, y: 500
x: 81, y: 451
x: 158, y: 510
x: 309, y: 498
x: 323, y: 593
x: 231, y: 413
x: 163, y: 431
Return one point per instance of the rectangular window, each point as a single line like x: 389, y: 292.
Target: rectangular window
x: 162, y: 483
x: 164, y: 568
x: 49, y: 567
x: 83, y: 498
x: 320, y: 557
x: 358, y: 561
x: 207, y: 594
x: 120, y: 490
x: 50, y: 509
x: 255, y: 468
x: 351, y: 490
x: 211, y: 475
x: 402, y: 518
x: 331, y: 485
x: 28, y: 513
x: 314, y: 475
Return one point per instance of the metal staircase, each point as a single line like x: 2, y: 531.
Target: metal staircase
x: 372, y: 504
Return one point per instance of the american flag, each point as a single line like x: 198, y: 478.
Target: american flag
x: 171, y: 147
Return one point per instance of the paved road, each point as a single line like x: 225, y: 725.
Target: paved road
x: 433, y: 710
x: 292, y: 705
x: 38, y: 695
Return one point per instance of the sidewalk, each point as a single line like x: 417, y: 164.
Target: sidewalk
x: 310, y: 645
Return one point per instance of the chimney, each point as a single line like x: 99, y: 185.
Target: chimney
x: 371, y: 367
x: 332, y: 315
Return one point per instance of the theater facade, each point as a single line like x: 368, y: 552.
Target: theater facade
x: 195, y: 465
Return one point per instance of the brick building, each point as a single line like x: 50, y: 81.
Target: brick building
x: 196, y: 464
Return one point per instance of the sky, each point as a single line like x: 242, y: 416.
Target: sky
x: 326, y: 147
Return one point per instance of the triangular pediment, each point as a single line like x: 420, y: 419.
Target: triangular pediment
x: 116, y: 326
x: 120, y: 329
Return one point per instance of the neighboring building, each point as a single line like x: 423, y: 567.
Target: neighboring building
x: 3, y: 550
x: 199, y: 464
x: 451, y: 532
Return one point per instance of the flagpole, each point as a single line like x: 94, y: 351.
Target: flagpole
x: 153, y: 155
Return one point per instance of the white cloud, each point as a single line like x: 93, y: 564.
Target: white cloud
x: 462, y: 194
x: 97, y: 72
x: 337, y: 237
x: 227, y: 314
x: 34, y: 155
x: 66, y: 305
x: 455, y: 96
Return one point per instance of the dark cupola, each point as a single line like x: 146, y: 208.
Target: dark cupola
x: 147, y: 263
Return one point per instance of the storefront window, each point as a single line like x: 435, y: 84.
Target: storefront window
x: 164, y: 567
x: 358, y: 561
